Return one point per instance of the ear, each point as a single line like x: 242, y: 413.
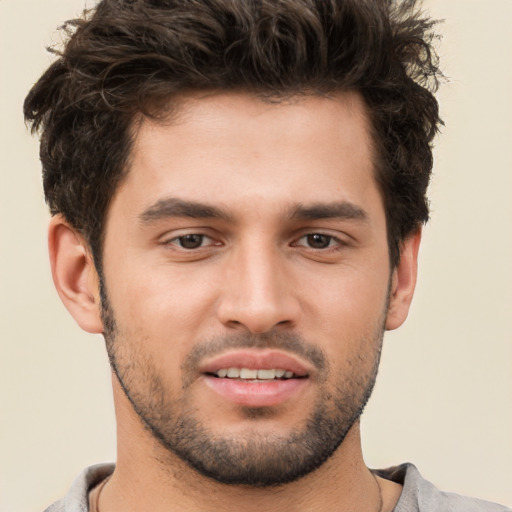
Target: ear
x: 403, y: 282
x: 74, y: 274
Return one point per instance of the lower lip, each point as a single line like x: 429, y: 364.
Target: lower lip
x: 255, y: 394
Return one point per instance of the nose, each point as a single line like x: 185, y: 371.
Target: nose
x: 259, y: 293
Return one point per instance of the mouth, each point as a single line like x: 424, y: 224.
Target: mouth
x: 256, y: 378
x: 256, y: 375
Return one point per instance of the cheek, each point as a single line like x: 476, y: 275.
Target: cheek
x: 161, y: 304
x: 349, y: 309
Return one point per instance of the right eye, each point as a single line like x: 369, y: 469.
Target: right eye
x: 191, y: 241
x: 318, y: 241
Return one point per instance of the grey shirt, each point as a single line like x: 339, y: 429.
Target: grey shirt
x: 418, y: 494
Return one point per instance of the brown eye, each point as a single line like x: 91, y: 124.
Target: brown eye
x: 190, y: 241
x: 318, y: 241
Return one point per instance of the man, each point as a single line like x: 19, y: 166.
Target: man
x: 237, y: 191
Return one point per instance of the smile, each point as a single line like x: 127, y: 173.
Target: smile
x: 256, y: 378
x: 252, y: 374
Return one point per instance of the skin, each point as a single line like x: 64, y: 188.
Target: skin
x: 255, y: 272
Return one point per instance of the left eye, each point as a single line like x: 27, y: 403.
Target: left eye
x: 191, y: 241
x: 318, y: 241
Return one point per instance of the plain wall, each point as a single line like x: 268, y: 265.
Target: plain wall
x: 444, y: 394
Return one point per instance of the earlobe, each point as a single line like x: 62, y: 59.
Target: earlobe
x: 403, y: 282
x: 74, y: 274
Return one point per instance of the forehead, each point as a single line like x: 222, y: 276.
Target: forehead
x: 236, y: 148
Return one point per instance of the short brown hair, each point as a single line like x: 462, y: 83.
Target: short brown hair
x: 130, y: 57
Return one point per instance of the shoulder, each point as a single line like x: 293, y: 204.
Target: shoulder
x: 420, y: 495
x: 77, y: 498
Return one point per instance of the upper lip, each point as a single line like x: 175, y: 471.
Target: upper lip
x: 257, y: 359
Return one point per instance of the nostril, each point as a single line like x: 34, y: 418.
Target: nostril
x: 258, y: 313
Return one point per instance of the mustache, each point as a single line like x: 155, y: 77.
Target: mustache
x: 286, y: 341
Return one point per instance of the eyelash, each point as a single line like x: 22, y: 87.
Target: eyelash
x: 333, y: 243
x: 178, y: 241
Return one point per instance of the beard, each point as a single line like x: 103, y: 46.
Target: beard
x: 250, y: 458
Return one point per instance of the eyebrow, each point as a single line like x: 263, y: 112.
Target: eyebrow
x: 174, y: 207
x: 343, y: 210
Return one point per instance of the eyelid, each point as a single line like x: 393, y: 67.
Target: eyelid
x: 207, y: 241
x: 178, y: 232
x: 178, y: 242
x: 339, y: 240
x: 171, y: 238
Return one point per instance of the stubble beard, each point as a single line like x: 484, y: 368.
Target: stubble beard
x: 253, y: 458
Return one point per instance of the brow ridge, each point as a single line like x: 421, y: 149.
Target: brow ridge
x: 175, y: 207
x: 344, y: 210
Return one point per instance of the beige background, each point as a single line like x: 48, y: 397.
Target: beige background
x: 444, y: 396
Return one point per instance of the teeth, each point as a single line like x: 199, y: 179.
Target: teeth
x: 245, y: 373
x: 252, y: 374
x: 233, y: 373
x: 266, y: 374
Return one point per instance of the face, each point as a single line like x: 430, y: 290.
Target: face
x: 246, y: 282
